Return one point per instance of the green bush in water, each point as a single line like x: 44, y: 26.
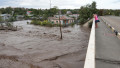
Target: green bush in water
x: 90, y: 25
x: 72, y: 24
x: 42, y: 23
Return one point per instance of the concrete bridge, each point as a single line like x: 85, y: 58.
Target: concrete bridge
x: 104, y: 44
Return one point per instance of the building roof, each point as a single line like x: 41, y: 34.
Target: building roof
x: 74, y: 15
x: 20, y: 15
x: 5, y: 15
x: 29, y: 11
x: 61, y: 18
x: 68, y: 12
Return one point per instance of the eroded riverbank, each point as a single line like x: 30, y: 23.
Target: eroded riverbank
x: 40, y: 47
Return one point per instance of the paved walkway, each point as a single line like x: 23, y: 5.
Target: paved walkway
x: 107, y: 47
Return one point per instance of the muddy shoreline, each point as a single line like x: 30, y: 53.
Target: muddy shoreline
x: 40, y: 47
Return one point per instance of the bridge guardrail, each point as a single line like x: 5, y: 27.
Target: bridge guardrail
x: 90, y: 56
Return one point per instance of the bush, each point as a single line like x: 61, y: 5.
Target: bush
x: 72, y: 24
x: 11, y: 19
x: 9, y: 24
x: 90, y: 25
x: 42, y: 23
x: 47, y: 23
x: 35, y: 22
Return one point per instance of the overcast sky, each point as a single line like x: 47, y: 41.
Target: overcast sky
x: 62, y: 4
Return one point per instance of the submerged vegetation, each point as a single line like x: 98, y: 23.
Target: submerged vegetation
x: 90, y: 24
x: 42, y: 23
x: 48, y: 23
x: 8, y: 26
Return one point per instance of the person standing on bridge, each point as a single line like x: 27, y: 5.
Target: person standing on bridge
x: 96, y: 20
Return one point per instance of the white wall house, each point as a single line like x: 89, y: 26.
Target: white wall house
x: 69, y: 12
x: 75, y: 16
x: 5, y: 16
x: 29, y: 13
x: 63, y: 19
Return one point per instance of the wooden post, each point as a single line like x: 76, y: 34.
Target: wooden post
x: 60, y: 25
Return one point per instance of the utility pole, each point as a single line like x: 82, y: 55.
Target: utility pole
x: 60, y: 24
x: 50, y: 9
x: 50, y: 4
x: 39, y: 14
x: 12, y: 12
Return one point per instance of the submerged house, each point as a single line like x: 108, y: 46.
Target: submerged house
x: 63, y: 19
x: 69, y: 12
x: 74, y: 16
x: 29, y: 13
x: 5, y: 16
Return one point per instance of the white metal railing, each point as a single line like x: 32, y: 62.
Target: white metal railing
x: 90, y: 56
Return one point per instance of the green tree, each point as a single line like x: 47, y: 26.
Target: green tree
x: 86, y: 12
x: 53, y: 11
x: 63, y: 11
x: 100, y: 12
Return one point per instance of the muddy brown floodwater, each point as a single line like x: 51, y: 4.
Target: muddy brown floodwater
x: 40, y: 47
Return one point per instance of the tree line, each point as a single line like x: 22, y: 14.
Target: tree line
x: 45, y: 13
x: 86, y: 12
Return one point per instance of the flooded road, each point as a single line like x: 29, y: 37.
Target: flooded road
x: 41, y: 47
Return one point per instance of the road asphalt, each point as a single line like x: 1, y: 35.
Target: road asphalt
x: 107, y: 47
x: 114, y: 21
